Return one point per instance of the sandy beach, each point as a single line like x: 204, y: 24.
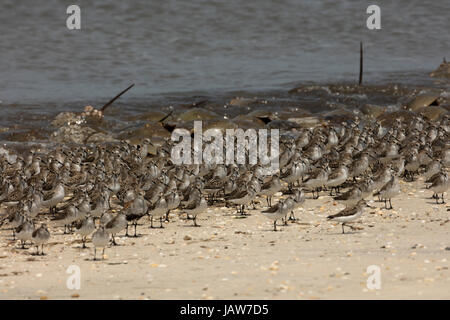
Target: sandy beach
x: 231, y: 257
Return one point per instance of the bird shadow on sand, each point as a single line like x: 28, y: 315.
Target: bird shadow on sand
x: 434, y: 202
x: 191, y: 226
x: 95, y: 260
x: 341, y: 234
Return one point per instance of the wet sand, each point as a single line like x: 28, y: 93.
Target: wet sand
x: 229, y: 257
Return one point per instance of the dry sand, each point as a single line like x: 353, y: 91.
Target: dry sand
x: 242, y: 258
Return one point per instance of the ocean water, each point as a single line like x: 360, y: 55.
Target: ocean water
x: 207, y: 46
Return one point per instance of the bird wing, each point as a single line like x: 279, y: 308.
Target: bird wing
x: 344, y: 213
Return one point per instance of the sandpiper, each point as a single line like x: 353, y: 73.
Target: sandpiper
x: 195, y: 209
x: 24, y: 232
x: 316, y: 181
x: 40, y: 236
x: 173, y: 201
x: 337, y: 178
x: 116, y: 225
x: 351, y: 197
x: 270, y: 188
x: 440, y: 184
x: 134, y: 211
x: 388, y: 191
x: 242, y: 198
x: 348, y: 214
x: 276, y: 212
x: 100, y: 239
x: 85, y: 228
x: 295, y: 201
x: 54, y: 197
x: 67, y: 217
x: 158, y: 210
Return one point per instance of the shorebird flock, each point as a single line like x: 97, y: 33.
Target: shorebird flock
x: 101, y: 190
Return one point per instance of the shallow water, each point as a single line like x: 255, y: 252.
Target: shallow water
x: 179, y: 52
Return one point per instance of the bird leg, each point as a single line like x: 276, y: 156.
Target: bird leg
x: 160, y: 221
x: 151, y: 221
x: 113, y: 241
x: 195, y: 222
x: 292, y: 216
x: 167, y: 215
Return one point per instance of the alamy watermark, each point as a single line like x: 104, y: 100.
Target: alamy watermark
x: 374, y: 20
x: 74, y: 280
x: 73, y: 21
x: 374, y: 280
x: 210, y: 146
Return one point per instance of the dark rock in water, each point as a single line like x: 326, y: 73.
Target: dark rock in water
x: 388, y: 118
x: 196, y: 104
x: 443, y: 71
x: 264, y: 116
x: 339, y: 115
x: 249, y: 124
x: 257, y: 121
x: 219, y: 124
x: 197, y: 114
x: 100, y: 137
x: 307, y: 122
x: 282, y: 125
x: 147, y: 130
x: 372, y: 110
x: 242, y: 102
x: 67, y: 118
x: 148, y: 116
x: 23, y: 135
x: 423, y: 100
x: 307, y: 89
x: 79, y: 134
x: 353, y: 89
x: 432, y: 112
